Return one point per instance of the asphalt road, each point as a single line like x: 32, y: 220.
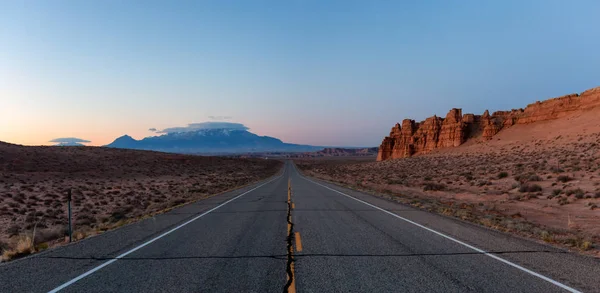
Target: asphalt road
x: 330, y: 239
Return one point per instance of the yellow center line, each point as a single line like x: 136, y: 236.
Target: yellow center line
x: 292, y: 288
x: 289, y: 193
x: 293, y: 206
x: 298, y: 242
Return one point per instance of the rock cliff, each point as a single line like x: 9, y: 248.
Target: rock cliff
x: 411, y: 138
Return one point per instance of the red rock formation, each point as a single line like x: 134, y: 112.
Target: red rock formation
x: 385, y: 149
x: 490, y: 125
x: 412, y: 138
x: 453, y: 130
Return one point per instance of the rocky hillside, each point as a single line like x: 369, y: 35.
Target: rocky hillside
x: 411, y: 138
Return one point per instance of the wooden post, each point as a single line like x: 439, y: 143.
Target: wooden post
x: 70, y: 223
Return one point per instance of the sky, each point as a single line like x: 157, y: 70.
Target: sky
x: 334, y: 73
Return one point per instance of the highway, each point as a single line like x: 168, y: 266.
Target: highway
x: 296, y: 234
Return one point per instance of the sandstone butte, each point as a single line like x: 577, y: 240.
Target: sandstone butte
x: 412, y: 138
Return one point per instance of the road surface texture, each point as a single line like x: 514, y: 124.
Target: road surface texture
x: 296, y: 234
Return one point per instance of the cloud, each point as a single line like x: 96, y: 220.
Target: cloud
x: 152, y: 129
x: 69, y: 140
x: 205, y: 125
x: 219, y: 117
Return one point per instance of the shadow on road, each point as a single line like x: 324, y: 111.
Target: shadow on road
x: 300, y: 256
x: 295, y: 210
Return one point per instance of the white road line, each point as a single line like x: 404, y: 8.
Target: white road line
x: 152, y: 240
x: 561, y: 285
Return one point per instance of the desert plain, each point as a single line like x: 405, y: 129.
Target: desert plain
x: 110, y: 188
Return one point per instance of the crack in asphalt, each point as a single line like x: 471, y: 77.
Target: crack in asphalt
x: 290, y: 241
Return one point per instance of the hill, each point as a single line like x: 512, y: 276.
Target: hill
x: 413, y: 138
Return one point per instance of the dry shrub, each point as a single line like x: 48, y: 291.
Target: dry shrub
x: 23, y: 247
x: 120, y: 213
x: 433, y: 187
x: 563, y: 201
x: 564, y: 178
x: 579, y: 242
x: 577, y: 192
x: 530, y: 188
x: 13, y: 230
x: 78, y: 235
x: 177, y: 202
x: 547, y: 237
x: 50, y: 234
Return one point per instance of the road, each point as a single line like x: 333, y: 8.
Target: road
x: 327, y: 238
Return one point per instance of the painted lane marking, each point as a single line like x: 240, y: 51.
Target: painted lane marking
x: 67, y: 284
x: 556, y: 283
x: 298, y: 242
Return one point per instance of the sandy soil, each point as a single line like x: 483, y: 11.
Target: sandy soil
x: 540, y: 180
x: 110, y: 187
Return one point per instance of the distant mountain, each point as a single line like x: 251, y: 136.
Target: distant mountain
x: 124, y: 142
x: 342, y: 152
x: 337, y: 152
x: 213, y: 141
x: 324, y: 152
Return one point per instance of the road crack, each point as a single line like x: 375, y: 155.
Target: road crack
x: 290, y: 286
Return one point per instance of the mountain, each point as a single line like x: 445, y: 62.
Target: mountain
x: 124, y: 142
x: 413, y: 138
x: 337, y: 152
x: 210, y: 141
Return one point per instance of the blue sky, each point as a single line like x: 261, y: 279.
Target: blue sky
x: 317, y: 72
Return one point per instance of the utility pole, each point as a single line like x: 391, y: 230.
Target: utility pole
x: 70, y: 223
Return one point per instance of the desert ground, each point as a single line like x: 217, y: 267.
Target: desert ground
x: 110, y: 187
x: 538, y: 180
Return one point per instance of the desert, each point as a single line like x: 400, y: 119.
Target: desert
x: 537, y: 176
x: 110, y: 188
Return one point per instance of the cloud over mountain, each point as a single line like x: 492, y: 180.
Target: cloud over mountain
x: 205, y: 125
x: 69, y: 140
